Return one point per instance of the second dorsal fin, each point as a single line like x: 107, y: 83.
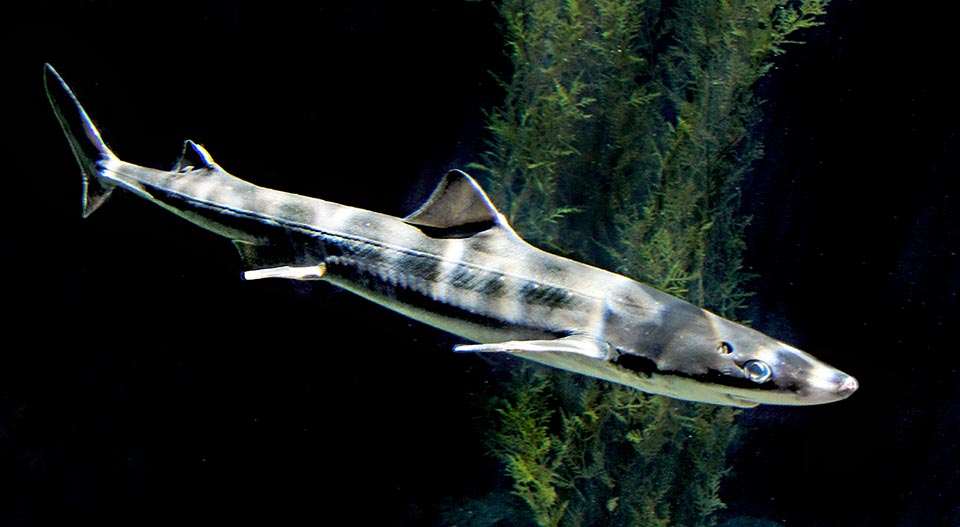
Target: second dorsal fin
x: 457, y: 204
x: 194, y: 157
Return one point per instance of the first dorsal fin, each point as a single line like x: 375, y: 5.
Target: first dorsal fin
x: 457, y: 204
x: 194, y: 157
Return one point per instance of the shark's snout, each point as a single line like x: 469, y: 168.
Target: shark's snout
x: 847, y: 385
x: 826, y: 385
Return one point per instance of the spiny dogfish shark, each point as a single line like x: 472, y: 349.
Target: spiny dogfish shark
x: 456, y: 264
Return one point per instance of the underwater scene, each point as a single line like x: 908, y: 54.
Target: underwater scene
x: 481, y: 263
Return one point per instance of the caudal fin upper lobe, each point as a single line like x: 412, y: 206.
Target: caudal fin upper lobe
x: 84, y: 139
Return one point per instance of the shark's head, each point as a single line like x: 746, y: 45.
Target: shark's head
x: 690, y: 353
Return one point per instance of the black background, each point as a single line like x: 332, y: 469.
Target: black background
x: 141, y: 382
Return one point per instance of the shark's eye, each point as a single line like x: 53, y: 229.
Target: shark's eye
x: 758, y: 371
x: 725, y: 348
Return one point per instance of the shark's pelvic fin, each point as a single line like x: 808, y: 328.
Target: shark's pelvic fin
x: 457, y: 204
x: 84, y: 138
x: 579, y: 344
x: 310, y: 272
x: 194, y: 157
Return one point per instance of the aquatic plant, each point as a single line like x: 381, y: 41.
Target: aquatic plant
x: 533, y: 456
x: 624, y: 133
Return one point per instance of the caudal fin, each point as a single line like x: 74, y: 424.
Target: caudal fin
x: 84, y: 138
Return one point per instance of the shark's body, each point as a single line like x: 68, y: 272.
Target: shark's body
x: 457, y: 265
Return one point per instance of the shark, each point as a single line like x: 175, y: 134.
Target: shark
x: 456, y: 264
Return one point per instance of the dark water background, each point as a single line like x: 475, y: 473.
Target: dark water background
x: 141, y: 382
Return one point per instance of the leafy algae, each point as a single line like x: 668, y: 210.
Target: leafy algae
x: 625, y: 131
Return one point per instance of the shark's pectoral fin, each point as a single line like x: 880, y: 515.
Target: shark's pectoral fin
x: 579, y: 344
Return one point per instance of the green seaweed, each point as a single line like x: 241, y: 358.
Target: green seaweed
x: 533, y: 456
x: 625, y: 131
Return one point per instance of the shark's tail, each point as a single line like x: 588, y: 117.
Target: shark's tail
x: 84, y: 138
